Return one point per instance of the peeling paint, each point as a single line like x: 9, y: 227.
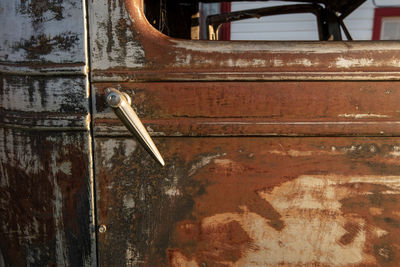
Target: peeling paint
x: 37, y: 46
x: 279, y: 46
x: 300, y: 205
x: 346, y: 63
x: 44, y: 101
x: 109, y: 18
x: 65, y: 167
x: 61, y: 249
x: 172, y: 190
x: 132, y: 257
x: 129, y: 202
x: 129, y: 145
x: 42, y: 31
x: 202, y: 162
x: 362, y: 116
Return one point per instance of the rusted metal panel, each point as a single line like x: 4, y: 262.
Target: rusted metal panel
x: 125, y: 47
x: 42, y: 31
x: 328, y: 201
x: 45, y: 199
x: 244, y: 197
x: 46, y: 189
x: 257, y: 108
x: 58, y: 102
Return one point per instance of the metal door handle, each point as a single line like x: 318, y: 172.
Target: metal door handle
x: 121, y: 104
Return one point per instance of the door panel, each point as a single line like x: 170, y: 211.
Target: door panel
x: 249, y: 201
x: 277, y: 153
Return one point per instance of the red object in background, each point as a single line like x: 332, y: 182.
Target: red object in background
x: 226, y: 27
x: 382, y: 13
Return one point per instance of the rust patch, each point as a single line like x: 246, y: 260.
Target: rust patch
x: 44, y: 45
x: 109, y: 26
x: 214, y: 242
x: 121, y: 32
x: 36, y: 9
x: 377, y: 205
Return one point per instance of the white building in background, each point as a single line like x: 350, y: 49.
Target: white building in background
x: 360, y: 23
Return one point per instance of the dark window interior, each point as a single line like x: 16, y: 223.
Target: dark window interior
x: 181, y: 19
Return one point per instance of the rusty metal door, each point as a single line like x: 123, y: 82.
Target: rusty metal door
x: 277, y: 153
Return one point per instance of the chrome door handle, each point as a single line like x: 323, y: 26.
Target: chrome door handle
x: 121, y: 104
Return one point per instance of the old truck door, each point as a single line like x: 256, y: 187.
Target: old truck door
x: 277, y: 153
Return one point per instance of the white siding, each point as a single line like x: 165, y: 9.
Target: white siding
x: 299, y: 26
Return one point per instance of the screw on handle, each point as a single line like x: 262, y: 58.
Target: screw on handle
x: 121, y: 104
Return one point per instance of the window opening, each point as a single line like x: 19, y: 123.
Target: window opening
x: 330, y: 20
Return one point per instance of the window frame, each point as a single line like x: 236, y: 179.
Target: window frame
x: 380, y: 13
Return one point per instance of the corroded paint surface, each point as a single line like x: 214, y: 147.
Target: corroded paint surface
x: 250, y: 202
x: 42, y: 31
x: 45, y: 199
x: 126, y: 47
x: 44, y: 101
x: 113, y: 44
x: 257, y: 108
x: 46, y: 213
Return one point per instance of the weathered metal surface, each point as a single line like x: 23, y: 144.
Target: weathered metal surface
x: 45, y: 199
x: 257, y: 108
x: 125, y: 47
x: 250, y: 202
x: 46, y: 189
x: 42, y: 31
x: 59, y: 102
x: 245, y: 198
